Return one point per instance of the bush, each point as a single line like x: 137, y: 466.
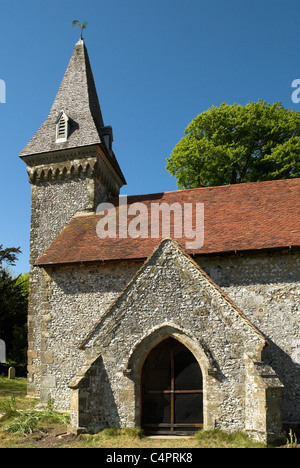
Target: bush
x: 26, y: 422
x: 8, y: 408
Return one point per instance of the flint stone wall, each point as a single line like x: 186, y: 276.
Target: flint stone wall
x: 54, y: 203
x: 265, y: 287
x: 171, y: 297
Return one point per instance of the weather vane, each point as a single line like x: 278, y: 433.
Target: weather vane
x: 81, y: 26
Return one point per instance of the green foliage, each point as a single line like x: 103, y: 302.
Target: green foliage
x: 133, y: 432
x: 8, y: 255
x: 112, y: 432
x: 28, y: 421
x: 17, y: 388
x: 217, y: 438
x: 13, y: 315
x: 130, y: 432
x: 292, y: 441
x: 7, y: 408
x: 13, y: 307
x: 25, y: 423
x: 109, y: 432
x: 232, y: 144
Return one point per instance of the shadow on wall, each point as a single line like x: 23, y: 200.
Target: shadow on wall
x: 246, y: 269
x: 288, y: 372
x: 97, y: 406
x: 102, y: 280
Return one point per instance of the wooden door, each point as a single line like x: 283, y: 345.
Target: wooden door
x: 172, y: 390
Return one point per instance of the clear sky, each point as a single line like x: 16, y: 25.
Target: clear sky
x: 157, y: 64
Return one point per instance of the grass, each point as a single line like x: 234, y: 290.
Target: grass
x: 211, y: 439
x: 16, y: 388
x: 26, y: 422
x: 22, y: 425
x: 19, y: 416
x: 134, y: 438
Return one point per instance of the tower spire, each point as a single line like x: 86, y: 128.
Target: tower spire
x: 75, y: 119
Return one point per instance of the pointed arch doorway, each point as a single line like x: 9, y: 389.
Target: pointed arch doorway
x: 171, y: 390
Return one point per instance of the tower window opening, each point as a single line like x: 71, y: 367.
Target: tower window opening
x: 62, y: 127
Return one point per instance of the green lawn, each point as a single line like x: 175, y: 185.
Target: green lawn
x: 16, y: 387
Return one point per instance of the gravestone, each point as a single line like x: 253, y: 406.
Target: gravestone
x: 2, y: 351
x: 11, y: 373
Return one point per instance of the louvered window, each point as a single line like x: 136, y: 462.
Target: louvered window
x: 62, y: 127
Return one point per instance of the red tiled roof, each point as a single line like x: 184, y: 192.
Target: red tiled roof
x: 252, y: 216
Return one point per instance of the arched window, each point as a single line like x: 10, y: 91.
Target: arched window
x: 62, y: 127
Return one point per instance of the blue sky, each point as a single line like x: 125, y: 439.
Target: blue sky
x: 157, y: 64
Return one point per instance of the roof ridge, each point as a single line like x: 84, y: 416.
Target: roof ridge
x: 227, y: 186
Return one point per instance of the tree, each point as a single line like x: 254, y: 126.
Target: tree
x: 13, y: 307
x: 8, y: 255
x: 231, y: 144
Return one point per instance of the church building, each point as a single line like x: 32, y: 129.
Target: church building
x: 146, y: 326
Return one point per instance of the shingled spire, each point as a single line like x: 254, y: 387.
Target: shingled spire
x: 82, y: 124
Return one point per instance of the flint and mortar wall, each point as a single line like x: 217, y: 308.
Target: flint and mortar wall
x: 170, y: 297
x: 265, y: 286
x: 74, y: 299
x: 54, y: 203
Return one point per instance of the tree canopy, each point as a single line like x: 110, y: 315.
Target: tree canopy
x: 13, y: 306
x: 231, y: 144
x: 8, y: 255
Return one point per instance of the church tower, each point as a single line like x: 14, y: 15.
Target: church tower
x: 71, y: 167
